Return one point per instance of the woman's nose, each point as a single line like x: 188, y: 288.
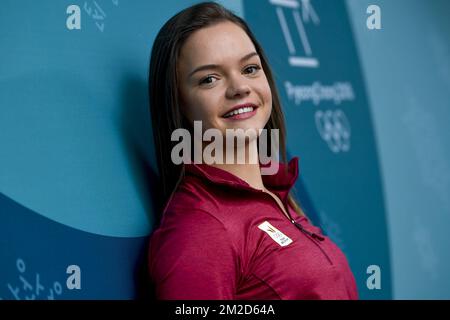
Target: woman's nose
x: 237, y: 87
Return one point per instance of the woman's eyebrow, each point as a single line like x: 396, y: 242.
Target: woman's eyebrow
x: 216, y: 66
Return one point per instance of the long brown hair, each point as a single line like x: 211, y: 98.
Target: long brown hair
x: 163, y: 88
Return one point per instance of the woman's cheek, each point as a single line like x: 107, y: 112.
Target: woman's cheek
x: 267, y: 93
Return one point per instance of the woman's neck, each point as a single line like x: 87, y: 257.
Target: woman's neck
x: 248, y: 170
x: 250, y: 173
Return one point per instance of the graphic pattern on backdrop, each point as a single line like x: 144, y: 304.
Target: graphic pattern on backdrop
x: 77, y: 169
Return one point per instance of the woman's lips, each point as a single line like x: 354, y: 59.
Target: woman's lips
x: 242, y: 116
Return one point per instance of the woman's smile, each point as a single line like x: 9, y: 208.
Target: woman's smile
x: 241, y: 113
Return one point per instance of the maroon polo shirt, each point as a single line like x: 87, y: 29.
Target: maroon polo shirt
x: 220, y: 238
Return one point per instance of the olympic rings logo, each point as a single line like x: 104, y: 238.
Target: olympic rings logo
x: 334, y: 128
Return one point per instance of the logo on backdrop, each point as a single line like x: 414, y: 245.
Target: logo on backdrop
x: 300, y: 54
x: 332, y: 126
x: 31, y: 286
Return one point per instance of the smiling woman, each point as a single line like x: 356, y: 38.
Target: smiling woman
x: 227, y: 230
x: 234, y: 81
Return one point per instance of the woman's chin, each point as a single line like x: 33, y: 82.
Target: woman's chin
x: 246, y: 124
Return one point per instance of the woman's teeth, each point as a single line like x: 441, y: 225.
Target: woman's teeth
x: 238, y: 111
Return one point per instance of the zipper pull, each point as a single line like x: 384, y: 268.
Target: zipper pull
x: 311, y: 234
x: 318, y: 237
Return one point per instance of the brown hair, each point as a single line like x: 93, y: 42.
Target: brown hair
x: 163, y: 88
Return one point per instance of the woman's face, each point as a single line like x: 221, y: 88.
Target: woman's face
x: 211, y: 92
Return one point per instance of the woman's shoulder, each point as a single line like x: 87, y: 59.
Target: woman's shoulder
x: 183, y: 227
x: 193, y: 208
x: 190, y: 195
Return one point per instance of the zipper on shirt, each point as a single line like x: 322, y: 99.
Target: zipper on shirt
x: 311, y: 234
x: 314, y: 237
x: 298, y: 225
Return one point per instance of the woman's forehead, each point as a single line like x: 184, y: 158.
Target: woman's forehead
x: 218, y: 44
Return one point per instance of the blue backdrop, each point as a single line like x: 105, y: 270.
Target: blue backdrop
x: 77, y: 165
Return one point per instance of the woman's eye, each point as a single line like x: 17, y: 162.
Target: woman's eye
x: 209, y: 79
x: 205, y: 80
x: 256, y: 67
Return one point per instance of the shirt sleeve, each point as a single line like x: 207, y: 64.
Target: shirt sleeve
x: 192, y: 258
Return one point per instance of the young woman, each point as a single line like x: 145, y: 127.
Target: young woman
x: 228, y: 231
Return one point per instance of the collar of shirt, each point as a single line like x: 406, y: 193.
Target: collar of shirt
x: 280, y: 183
